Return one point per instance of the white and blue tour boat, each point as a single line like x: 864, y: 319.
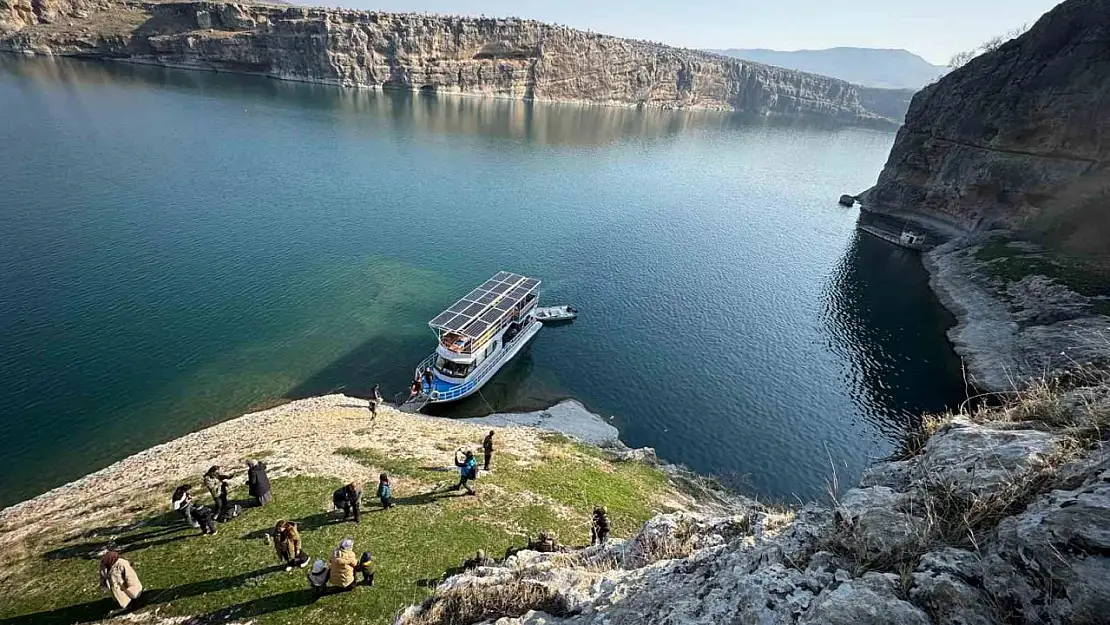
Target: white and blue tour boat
x: 477, y: 335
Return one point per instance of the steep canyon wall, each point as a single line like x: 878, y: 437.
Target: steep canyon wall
x: 1015, y: 137
x: 509, y: 58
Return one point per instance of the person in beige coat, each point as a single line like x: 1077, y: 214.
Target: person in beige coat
x: 342, y: 564
x: 118, y: 577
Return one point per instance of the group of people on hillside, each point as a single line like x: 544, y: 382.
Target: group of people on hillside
x: 215, y: 480
x: 338, y: 573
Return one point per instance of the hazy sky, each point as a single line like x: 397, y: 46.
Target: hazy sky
x: 935, y: 29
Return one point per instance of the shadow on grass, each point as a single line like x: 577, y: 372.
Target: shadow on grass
x: 122, y: 544
x: 95, y: 610
x: 257, y: 607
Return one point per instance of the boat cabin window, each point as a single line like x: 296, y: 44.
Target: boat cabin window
x: 453, y: 369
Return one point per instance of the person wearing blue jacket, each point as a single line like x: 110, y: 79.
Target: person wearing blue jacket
x: 385, y: 491
x: 468, y: 470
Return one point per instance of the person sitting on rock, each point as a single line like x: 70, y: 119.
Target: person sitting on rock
x: 468, y: 470
x: 385, y: 491
x: 287, y: 545
x: 213, y: 479
x: 348, y: 499
x: 478, y: 560
x: 599, y: 533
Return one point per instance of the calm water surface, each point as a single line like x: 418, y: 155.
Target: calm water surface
x: 180, y: 247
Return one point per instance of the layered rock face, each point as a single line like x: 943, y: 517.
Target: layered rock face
x: 1001, y: 141
x: 990, y: 522
x: 496, y: 57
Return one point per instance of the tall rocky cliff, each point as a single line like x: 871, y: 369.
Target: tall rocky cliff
x: 1015, y: 135
x: 495, y: 57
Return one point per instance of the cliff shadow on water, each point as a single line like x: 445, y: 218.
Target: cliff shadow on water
x: 881, y: 313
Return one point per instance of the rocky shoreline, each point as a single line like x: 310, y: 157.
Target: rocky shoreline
x: 1014, y: 332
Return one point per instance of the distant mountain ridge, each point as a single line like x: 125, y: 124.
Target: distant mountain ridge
x: 870, y: 67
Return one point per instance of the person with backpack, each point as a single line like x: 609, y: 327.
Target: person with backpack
x: 468, y: 470
x: 487, y: 448
x: 385, y: 491
x: 348, y: 499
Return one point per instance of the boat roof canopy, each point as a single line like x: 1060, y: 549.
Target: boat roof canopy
x: 486, y: 305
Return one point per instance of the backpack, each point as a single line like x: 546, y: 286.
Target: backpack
x: 472, y: 474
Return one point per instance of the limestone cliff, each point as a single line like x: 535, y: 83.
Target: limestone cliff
x: 509, y: 58
x: 1016, y: 135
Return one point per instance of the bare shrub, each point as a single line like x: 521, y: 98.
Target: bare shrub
x: 963, y: 58
x: 473, y: 603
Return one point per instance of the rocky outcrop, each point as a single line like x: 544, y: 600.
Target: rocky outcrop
x: 509, y: 58
x: 1013, y: 331
x: 988, y: 522
x: 1013, y: 136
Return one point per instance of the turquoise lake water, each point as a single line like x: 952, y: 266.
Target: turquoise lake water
x: 181, y: 247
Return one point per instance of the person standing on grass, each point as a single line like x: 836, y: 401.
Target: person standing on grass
x: 120, y: 579
x: 487, y: 448
x: 348, y: 499
x: 374, y: 401
x: 215, y: 480
x: 599, y: 532
x: 468, y: 470
x: 385, y: 491
x: 258, y: 483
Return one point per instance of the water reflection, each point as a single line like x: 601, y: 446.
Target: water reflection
x: 882, y: 317
x: 540, y: 123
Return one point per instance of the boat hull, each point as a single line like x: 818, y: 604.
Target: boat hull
x: 446, y: 391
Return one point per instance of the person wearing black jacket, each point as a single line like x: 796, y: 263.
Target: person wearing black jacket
x: 348, y: 499
x: 258, y: 483
x: 487, y: 448
x: 599, y: 532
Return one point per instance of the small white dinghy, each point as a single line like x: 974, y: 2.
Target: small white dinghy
x: 551, y: 314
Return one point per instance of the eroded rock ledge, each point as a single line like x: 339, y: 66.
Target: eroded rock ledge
x: 999, y: 517
x: 509, y: 58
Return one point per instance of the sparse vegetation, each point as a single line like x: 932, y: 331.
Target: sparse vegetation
x: 962, y: 58
x: 1008, y: 262
x: 1074, y: 405
x: 232, y: 575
